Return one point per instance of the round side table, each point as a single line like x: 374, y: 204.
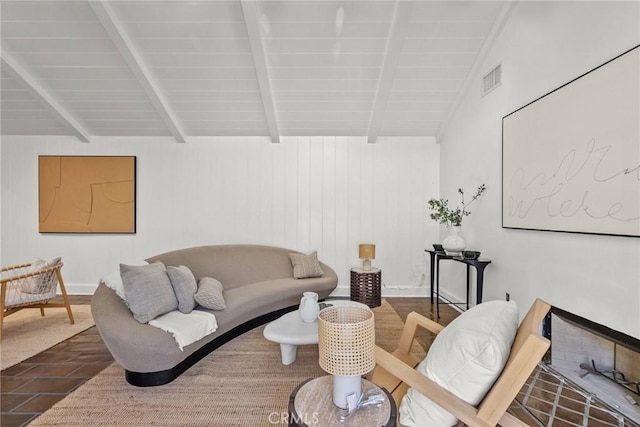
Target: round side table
x: 365, y: 286
x: 311, y: 405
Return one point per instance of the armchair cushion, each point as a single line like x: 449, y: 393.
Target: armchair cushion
x: 466, y: 358
x: 38, y: 284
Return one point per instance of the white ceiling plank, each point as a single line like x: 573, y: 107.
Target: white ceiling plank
x: 281, y: 66
x: 326, y: 45
x: 250, y: 10
x: 397, y: 34
x: 325, y: 11
x: 498, y: 25
x: 310, y: 85
x: 112, y: 25
x: 33, y: 87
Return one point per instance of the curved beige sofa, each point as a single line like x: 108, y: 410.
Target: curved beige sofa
x: 258, y: 287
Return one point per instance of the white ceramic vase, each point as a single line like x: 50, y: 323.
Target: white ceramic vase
x: 309, y: 307
x: 454, y: 244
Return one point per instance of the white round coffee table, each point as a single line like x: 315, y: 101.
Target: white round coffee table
x: 290, y: 331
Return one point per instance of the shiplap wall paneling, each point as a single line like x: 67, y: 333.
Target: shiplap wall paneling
x: 343, y: 246
x: 329, y: 213
x: 307, y: 193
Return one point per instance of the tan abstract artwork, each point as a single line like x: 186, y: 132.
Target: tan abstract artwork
x: 87, y: 194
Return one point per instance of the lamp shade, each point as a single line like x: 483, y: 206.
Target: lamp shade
x: 346, y: 340
x: 367, y: 251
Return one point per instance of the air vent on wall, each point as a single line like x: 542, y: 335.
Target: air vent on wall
x: 492, y: 80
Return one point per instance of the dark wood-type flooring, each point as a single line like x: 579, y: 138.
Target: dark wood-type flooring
x: 33, y: 386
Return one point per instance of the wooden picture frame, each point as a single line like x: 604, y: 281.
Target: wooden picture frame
x: 571, y: 158
x: 87, y: 194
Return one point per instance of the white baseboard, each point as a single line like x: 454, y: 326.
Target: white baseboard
x: 340, y: 291
x: 448, y: 296
x: 345, y: 291
x: 411, y: 292
x: 79, y: 288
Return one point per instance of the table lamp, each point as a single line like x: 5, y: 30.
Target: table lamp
x: 346, y: 343
x: 367, y: 252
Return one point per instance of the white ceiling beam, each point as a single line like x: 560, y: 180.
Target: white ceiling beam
x: 252, y: 22
x: 501, y: 20
x: 121, y: 39
x: 395, y: 41
x: 29, y: 83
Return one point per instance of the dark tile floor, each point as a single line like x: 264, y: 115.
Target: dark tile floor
x: 35, y: 385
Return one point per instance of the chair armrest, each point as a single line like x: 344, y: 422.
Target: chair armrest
x: 509, y: 420
x: 403, y: 354
x: 24, y: 273
x: 410, y: 327
x: 442, y: 397
x: 516, y: 372
x: 13, y: 267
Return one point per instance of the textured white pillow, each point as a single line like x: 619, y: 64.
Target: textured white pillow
x: 210, y: 295
x: 38, y: 284
x: 466, y: 358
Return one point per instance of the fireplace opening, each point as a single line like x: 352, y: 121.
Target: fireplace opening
x: 589, y: 377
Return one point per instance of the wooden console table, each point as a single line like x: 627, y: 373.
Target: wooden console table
x: 479, y: 264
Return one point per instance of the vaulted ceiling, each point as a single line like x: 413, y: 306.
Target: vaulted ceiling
x: 217, y: 68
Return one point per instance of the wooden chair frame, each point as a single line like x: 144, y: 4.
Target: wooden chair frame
x: 395, y: 371
x: 42, y: 304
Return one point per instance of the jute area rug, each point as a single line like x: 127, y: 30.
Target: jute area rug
x: 27, y: 333
x: 243, y: 383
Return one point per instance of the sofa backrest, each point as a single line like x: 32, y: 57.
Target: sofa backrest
x: 232, y: 265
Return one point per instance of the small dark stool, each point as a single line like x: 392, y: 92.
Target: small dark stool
x: 365, y: 286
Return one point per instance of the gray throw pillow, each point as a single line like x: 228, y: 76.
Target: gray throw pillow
x: 209, y: 294
x: 184, y: 286
x: 306, y: 265
x: 148, y: 290
x: 38, y: 284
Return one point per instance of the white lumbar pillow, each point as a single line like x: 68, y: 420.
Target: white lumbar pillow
x: 466, y: 358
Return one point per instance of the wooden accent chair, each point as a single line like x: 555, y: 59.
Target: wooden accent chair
x: 395, y: 371
x: 24, y: 288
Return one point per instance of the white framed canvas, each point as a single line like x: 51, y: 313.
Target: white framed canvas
x: 571, y: 158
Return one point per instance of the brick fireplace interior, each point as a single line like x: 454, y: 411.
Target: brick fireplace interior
x: 590, y: 377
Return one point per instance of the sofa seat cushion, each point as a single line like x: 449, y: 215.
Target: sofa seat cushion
x: 251, y: 301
